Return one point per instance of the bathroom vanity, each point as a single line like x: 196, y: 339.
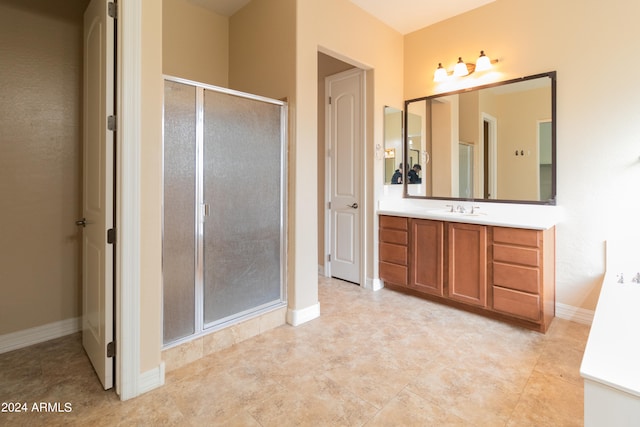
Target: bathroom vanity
x: 498, y: 267
x: 493, y: 143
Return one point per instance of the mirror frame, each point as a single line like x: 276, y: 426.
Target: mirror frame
x: 552, y: 201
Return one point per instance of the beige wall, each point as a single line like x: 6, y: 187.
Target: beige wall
x: 152, y: 89
x: 342, y: 30
x: 262, y: 46
x: 518, y: 175
x: 195, y: 43
x: 444, y: 142
x: 262, y: 61
x: 40, y: 162
x: 598, y: 123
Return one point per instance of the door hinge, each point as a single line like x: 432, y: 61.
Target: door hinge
x: 329, y: 257
x: 329, y: 205
x: 111, y: 349
x: 111, y: 123
x: 112, y: 9
x: 329, y: 100
x: 111, y: 236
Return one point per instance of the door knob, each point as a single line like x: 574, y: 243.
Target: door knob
x: 82, y: 222
x: 354, y: 205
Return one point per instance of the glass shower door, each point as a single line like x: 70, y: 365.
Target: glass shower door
x: 224, y: 205
x: 179, y: 220
x: 242, y: 188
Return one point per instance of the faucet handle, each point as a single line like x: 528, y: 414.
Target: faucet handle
x: 450, y: 207
x: 636, y: 278
x: 473, y: 208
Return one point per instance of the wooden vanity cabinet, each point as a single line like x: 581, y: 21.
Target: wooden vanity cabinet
x: 393, y: 248
x: 467, y: 256
x: 427, y: 256
x: 501, y: 272
x: 523, y: 274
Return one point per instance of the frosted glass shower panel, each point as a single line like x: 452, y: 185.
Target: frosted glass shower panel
x: 242, y: 163
x: 179, y: 222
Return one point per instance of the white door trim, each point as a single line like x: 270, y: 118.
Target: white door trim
x: 328, y: 244
x: 493, y: 153
x: 128, y: 199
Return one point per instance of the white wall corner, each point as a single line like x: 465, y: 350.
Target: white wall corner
x: 38, y: 334
x: 298, y: 317
x: 151, y: 379
x: 321, y: 270
x: 374, y: 284
x: 575, y: 314
x: 129, y: 215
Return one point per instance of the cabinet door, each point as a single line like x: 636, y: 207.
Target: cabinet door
x: 427, y: 256
x: 468, y: 263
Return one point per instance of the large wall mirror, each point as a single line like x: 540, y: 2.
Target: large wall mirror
x: 491, y: 143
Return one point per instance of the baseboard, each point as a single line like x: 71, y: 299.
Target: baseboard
x: 575, y: 314
x: 374, y: 284
x: 31, y: 336
x: 151, y: 379
x: 298, y: 317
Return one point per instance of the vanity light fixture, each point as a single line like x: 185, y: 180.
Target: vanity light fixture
x: 464, y: 69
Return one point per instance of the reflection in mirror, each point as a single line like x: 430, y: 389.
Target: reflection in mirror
x: 417, y: 170
x: 392, y: 145
x: 494, y: 142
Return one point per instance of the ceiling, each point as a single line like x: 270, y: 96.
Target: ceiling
x: 404, y: 16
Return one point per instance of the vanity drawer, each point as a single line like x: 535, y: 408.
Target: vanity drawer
x: 394, y: 236
x: 394, y: 273
x: 516, y: 255
x: 516, y: 236
x: 399, y: 223
x: 516, y: 303
x: 516, y: 277
x: 396, y: 254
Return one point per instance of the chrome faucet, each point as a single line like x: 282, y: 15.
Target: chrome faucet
x: 620, y: 278
x: 460, y: 209
x: 636, y: 278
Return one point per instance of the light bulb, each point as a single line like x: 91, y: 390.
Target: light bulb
x: 440, y: 75
x: 460, y: 69
x: 483, y: 63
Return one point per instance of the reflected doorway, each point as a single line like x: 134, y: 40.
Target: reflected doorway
x: 490, y: 156
x: 545, y: 160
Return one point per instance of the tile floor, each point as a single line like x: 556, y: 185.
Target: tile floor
x: 372, y: 358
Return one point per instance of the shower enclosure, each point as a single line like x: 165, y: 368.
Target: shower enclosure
x: 224, y: 208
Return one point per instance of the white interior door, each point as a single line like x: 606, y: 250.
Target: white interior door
x: 345, y: 135
x: 98, y: 184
